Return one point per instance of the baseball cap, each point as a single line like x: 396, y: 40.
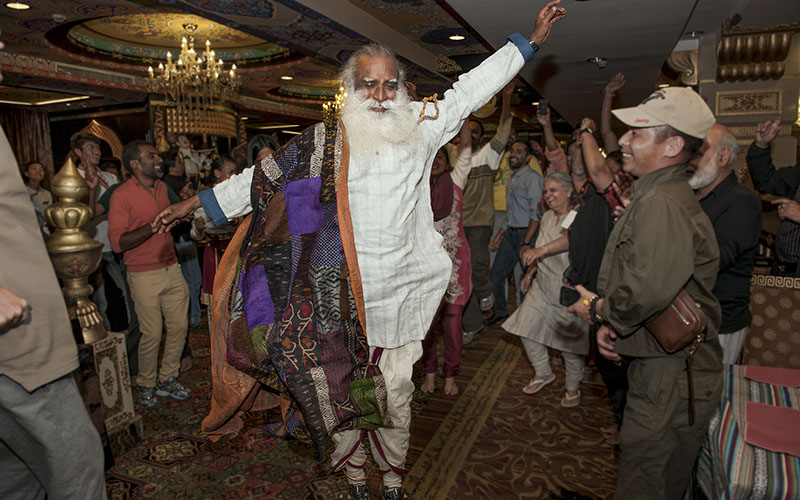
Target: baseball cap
x: 679, y: 107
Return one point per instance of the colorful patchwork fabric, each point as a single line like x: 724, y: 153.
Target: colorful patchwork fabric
x: 294, y: 325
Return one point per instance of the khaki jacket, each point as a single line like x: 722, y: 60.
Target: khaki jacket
x: 43, y: 348
x: 664, y: 242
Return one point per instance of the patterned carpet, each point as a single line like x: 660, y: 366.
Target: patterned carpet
x: 489, y: 441
x: 175, y: 461
x: 495, y: 442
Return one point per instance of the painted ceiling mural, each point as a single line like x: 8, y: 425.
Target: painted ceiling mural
x: 267, y: 40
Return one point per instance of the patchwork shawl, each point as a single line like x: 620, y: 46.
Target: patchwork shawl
x: 295, y: 301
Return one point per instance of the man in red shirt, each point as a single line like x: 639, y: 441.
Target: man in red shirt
x: 160, y: 294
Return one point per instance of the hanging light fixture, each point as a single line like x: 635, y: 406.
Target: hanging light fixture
x: 196, y: 81
x: 331, y: 109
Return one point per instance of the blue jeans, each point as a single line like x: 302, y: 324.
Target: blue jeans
x: 505, y: 259
x: 190, y: 267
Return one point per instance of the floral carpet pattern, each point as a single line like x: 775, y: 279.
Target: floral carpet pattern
x: 490, y: 441
x: 175, y: 461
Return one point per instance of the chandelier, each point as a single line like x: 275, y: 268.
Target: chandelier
x: 331, y: 109
x: 195, y: 81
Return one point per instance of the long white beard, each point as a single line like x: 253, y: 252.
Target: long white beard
x: 369, y: 131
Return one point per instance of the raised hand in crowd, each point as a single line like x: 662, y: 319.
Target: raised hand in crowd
x: 13, y: 309
x: 617, y: 82
x: 547, y: 17
x: 788, y: 209
x: 768, y: 130
x: 610, y: 140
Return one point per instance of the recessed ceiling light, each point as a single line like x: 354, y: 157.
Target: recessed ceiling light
x: 18, y: 6
x: 601, y: 62
x: 456, y: 38
x: 244, y: 118
x: 662, y: 85
x: 287, y: 77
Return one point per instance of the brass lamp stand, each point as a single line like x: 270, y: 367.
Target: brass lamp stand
x: 104, y: 379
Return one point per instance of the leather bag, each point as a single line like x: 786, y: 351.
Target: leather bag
x: 682, y: 324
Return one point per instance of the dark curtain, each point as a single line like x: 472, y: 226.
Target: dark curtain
x: 28, y: 133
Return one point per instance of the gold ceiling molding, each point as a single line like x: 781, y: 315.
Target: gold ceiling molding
x: 753, y: 53
x: 748, y: 102
x: 684, y: 62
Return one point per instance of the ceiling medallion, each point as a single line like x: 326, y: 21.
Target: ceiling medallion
x: 196, y: 81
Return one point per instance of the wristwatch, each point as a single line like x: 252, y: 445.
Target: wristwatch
x: 587, y: 129
x: 534, y: 45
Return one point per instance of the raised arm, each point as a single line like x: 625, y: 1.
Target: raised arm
x: 609, y: 137
x: 547, y: 127
x: 500, y: 138
x: 596, y: 166
x: 476, y: 87
x: 766, y: 178
x: 463, y: 154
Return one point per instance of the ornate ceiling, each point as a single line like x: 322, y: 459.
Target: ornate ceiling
x: 102, y: 49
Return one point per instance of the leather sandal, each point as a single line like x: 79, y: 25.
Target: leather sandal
x: 536, y: 385
x: 571, y: 401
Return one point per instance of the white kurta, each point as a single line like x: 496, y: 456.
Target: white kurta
x: 404, y: 269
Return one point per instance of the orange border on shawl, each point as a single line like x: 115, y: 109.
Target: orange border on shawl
x: 232, y: 391
x: 346, y: 229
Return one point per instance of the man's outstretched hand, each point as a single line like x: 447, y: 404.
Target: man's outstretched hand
x: 173, y: 214
x: 547, y: 17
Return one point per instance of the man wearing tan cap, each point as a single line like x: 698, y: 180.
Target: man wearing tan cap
x: 662, y: 244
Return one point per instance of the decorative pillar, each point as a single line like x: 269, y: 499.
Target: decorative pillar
x: 748, y: 75
x: 75, y: 257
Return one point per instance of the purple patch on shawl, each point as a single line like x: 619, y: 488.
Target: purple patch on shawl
x: 288, y: 160
x: 328, y: 250
x: 303, y: 208
x: 258, y: 307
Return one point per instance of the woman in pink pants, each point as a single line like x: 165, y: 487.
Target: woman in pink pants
x: 446, y: 193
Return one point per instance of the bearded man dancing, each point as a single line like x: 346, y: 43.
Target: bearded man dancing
x: 341, y: 271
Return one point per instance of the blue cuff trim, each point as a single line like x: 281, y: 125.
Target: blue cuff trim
x: 210, y: 205
x: 523, y: 45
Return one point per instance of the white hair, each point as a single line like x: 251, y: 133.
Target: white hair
x: 728, y: 141
x: 348, y: 74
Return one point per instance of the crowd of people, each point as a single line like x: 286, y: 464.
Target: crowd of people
x: 347, y: 259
